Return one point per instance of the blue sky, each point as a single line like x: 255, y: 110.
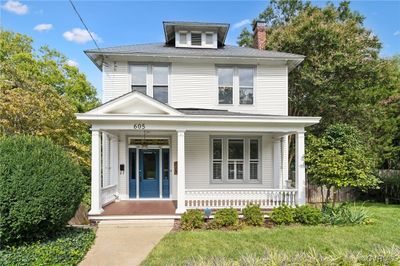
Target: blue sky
x: 128, y: 22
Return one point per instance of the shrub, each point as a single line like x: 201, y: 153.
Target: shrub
x: 40, y: 188
x: 308, y: 215
x: 344, y: 215
x: 226, y: 217
x: 192, y: 219
x: 67, y: 247
x: 282, y: 215
x: 253, y: 215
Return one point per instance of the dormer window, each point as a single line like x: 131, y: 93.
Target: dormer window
x: 196, y: 39
x: 183, y: 38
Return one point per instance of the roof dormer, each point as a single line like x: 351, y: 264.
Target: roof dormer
x: 195, y: 34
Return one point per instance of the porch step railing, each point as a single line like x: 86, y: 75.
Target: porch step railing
x: 108, y: 194
x: 238, y: 198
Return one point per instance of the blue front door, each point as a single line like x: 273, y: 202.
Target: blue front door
x: 149, y: 173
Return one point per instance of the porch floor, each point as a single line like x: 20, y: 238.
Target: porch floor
x: 141, y: 207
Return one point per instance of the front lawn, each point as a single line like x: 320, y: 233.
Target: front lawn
x: 66, y: 248
x: 180, y: 247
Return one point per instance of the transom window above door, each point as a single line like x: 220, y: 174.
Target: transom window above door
x: 151, y: 80
x: 235, y: 81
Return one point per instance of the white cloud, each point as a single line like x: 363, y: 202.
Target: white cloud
x: 43, y: 27
x: 397, y: 33
x: 14, y: 6
x: 241, y: 23
x: 71, y: 62
x: 79, y: 35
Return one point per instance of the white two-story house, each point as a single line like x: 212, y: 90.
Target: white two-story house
x: 194, y: 123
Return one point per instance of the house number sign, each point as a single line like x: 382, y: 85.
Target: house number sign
x: 139, y: 126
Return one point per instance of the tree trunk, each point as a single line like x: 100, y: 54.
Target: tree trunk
x: 334, y: 197
x: 328, y: 194
x: 322, y: 194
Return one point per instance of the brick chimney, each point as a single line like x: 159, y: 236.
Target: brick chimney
x: 259, y: 35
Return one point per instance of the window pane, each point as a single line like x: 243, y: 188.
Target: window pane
x: 245, y: 77
x: 254, y: 149
x: 217, y: 149
x: 149, y: 165
x: 160, y: 93
x: 236, y: 149
x: 225, y: 77
x: 160, y: 75
x: 246, y: 95
x: 253, y: 170
x: 231, y: 171
x: 217, y: 170
x: 196, y: 39
x: 141, y: 89
x: 225, y: 95
x: 139, y: 73
x: 239, y: 170
x: 182, y: 38
x: 209, y: 38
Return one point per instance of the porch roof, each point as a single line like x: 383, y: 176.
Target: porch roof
x: 135, y: 106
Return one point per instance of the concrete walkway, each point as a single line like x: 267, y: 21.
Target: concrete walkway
x: 125, y: 242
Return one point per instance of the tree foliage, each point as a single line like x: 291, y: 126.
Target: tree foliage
x: 342, y: 78
x: 340, y: 158
x: 39, y: 94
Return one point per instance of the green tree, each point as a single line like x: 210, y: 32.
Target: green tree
x: 40, y: 93
x: 340, y: 158
x: 342, y: 78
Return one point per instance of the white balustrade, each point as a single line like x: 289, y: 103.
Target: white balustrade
x: 238, y: 198
x: 108, y: 194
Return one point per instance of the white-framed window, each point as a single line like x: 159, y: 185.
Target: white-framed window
x: 151, y: 80
x: 183, y: 38
x: 217, y: 159
x: 160, y: 83
x: 225, y: 85
x: 235, y: 81
x: 235, y: 159
x: 246, y: 79
x: 139, y: 78
x: 196, y: 39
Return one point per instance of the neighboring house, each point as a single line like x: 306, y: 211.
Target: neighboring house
x: 195, y: 121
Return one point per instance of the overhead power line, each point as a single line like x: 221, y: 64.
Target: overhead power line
x: 84, y: 24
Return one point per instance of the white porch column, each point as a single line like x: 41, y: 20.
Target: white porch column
x: 300, y: 169
x: 114, y: 161
x: 285, y: 160
x: 181, y: 172
x: 277, y: 163
x: 96, y: 207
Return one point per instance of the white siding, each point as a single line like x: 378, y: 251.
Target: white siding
x: 116, y: 80
x: 194, y: 85
x: 198, y: 163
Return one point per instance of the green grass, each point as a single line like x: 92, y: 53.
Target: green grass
x: 65, y: 248
x: 180, y: 247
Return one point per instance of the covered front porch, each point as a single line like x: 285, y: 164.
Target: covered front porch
x: 197, y: 161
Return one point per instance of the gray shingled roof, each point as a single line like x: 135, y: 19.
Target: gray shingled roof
x: 162, y: 49
x: 201, y: 111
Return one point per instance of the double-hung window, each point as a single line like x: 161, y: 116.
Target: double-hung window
x: 236, y: 81
x: 254, y: 158
x: 151, y: 80
x: 160, y: 83
x: 225, y: 85
x: 139, y: 78
x: 235, y: 159
x: 217, y: 159
x: 245, y: 85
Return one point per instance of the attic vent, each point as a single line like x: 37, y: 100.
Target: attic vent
x: 196, y: 39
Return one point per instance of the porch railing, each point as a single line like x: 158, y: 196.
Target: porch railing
x: 238, y: 198
x: 108, y: 194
